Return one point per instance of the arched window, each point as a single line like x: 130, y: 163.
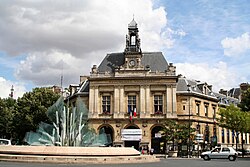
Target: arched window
x: 133, y: 40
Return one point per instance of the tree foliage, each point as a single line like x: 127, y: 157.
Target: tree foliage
x: 174, y: 131
x: 245, y: 100
x: 32, y: 109
x: 233, y: 118
x: 25, y: 113
x: 7, y: 107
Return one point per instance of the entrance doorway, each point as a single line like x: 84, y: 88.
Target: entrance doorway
x: 134, y: 144
x: 157, y: 141
x: 132, y: 136
x: 109, y: 132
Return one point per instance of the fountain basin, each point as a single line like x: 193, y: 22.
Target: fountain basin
x: 53, y: 154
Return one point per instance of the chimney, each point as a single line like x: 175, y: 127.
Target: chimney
x: 210, y: 87
x: 224, y: 92
x: 83, y: 78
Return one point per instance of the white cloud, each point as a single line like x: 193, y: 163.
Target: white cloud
x: 46, y: 68
x: 236, y: 46
x: 78, y: 26
x: 218, y: 75
x: 5, y: 88
x: 80, y: 33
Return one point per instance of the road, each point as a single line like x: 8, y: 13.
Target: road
x: 162, y: 163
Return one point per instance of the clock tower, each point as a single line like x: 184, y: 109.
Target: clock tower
x: 132, y: 51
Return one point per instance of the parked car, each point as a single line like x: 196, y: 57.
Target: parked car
x: 220, y: 153
x: 5, y: 142
x: 245, y: 151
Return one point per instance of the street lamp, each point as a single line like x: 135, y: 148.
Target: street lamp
x: 189, y: 124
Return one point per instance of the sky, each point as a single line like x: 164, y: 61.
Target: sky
x: 42, y: 40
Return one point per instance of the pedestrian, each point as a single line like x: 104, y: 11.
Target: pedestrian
x: 151, y: 151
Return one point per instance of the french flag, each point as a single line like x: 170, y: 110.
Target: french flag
x: 134, y: 112
x: 130, y: 113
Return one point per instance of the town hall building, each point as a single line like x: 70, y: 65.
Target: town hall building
x: 131, y: 94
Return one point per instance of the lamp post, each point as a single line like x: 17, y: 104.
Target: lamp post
x: 189, y: 124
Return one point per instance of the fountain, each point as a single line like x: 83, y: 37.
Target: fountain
x: 69, y: 139
x: 69, y: 128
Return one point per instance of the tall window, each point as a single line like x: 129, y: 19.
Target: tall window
x: 222, y: 136
x: 106, y: 104
x: 228, y: 132
x: 232, y: 136
x: 158, y: 103
x: 206, y: 110
x: 207, y: 133
x: 131, y: 103
x: 198, y: 109
x: 214, y: 112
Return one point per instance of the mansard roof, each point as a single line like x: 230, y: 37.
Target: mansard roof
x: 155, y: 60
x: 196, y: 87
x: 226, y: 100
x: 234, y: 92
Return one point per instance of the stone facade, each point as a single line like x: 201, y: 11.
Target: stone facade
x: 131, y: 94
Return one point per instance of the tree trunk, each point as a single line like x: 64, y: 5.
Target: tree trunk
x: 242, y: 149
x: 237, y: 140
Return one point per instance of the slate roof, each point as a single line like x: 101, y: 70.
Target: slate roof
x: 155, y: 60
x: 234, y: 92
x: 194, y: 87
x: 226, y: 100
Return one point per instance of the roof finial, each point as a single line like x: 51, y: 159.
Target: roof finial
x: 132, y: 24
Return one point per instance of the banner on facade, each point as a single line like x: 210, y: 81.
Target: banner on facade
x: 131, y: 134
x: 199, y: 138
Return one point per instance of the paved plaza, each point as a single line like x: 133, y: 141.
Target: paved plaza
x: 163, y: 163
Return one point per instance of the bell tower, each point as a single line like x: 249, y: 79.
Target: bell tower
x: 132, y: 38
x: 132, y: 51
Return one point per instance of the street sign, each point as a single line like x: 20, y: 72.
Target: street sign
x: 158, y: 135
x: 199, y: 137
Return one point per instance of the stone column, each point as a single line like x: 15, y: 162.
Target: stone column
x: 91, y: 101
x: 169, y: 100
x: 147, y: 99
x: 96, y: 105
x: 174, y: 104
x: 122, y: 101
x: 116, y: 101
x: 142, y: 101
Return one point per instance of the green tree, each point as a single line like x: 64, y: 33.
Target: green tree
x: 233, y: 118
x: 177, y: 132
x: 245, y: 101
x: 31, y: 110
x: 7, y: 107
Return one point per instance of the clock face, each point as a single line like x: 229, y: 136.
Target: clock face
x: 132, y: 63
